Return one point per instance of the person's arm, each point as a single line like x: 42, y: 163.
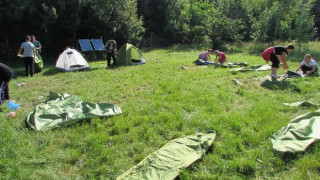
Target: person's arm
x: 299, y: 67
x: 216, y: 60
x: 39, y: 47
x: 34, y: 53
x: 19, y: 51
x: 107, y: 43
x: 283, y: 58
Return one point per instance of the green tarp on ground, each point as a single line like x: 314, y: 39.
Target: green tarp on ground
x: 60, y: 110
x: 298, y: 135
x: 168, y: 162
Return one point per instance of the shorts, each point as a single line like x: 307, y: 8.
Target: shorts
x: 275, y: 61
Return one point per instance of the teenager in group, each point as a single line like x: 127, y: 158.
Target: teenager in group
x: 205, y: 56
x: 272, y: 53
x: 308, y: 66
x: 6, y: 74
x: 29, y: 52
x: 220, y: 56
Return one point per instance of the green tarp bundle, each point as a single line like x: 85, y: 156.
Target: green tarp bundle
x: 298, y: 135
x: 38, y: 62
x: 60, y: 110
x: 169, y: 161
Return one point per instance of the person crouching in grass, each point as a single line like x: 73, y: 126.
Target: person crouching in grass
x: 308, y: 65
x: 220, y: 56
x: 205, y: 56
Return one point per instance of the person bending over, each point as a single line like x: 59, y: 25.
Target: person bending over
x: 220, y: 56
x: 205, y: 56
x: 273, y: 54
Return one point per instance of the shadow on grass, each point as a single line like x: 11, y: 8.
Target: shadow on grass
x: 279, y: 85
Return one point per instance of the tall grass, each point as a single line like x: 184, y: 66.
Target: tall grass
x: 160, y: 102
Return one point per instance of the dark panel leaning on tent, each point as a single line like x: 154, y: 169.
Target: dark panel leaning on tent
x: 98, y: 44
x: 128, y: 54
x: 85, y: 45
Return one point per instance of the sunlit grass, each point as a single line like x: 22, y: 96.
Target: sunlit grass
x: 160, y: 102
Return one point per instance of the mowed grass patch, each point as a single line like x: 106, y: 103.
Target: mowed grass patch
x: 160, y: 101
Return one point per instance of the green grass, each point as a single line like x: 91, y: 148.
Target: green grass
x: 160, y: 102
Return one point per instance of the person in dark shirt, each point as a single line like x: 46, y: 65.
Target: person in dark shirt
x: 273, y: 54
x: 111, y: 47
x: 6, y: 74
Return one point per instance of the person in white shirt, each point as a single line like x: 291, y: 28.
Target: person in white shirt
x: 308, y: 65
x: 29, y: 52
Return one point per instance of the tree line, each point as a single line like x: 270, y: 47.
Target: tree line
x: 150, y: 23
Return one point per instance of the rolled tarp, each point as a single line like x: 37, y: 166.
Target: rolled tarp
x: 298, y: 135
x: 60, y: 110
x: 168, y: 162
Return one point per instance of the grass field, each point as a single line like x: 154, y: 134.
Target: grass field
x: 160, y: 102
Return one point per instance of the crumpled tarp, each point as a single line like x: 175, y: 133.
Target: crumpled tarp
x: 302, y: 104
x: 60, y: 110
x: 217, y: 64
x: 169, y: 160
x: 252, y: 68
x: 298, y: 135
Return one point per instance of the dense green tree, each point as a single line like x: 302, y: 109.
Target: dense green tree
x: 304, y: 27
x: 315, y: 10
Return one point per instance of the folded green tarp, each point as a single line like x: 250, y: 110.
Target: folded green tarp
x: 60, y: 110
x: 298, y: 135
x: 169, y: 161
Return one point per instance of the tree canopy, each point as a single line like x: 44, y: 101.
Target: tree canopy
x: 58, y: 24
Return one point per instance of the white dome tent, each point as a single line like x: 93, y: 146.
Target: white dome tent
x: 71, y: 60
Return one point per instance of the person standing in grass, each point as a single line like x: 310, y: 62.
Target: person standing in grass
x: 38, y: 59
x: 205, y: 56
x: 36, y: 43
x: 29, y: 53
x: 272, y: 53
x: 220, y: 56
x: 6, y: 74
x: 308, y: 64
x: 111, y: 47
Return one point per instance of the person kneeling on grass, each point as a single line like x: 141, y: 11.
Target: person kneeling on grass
x: 272, y: 53
x: 308, y: 64
x: 220, y: 56
x: 205, y: 56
